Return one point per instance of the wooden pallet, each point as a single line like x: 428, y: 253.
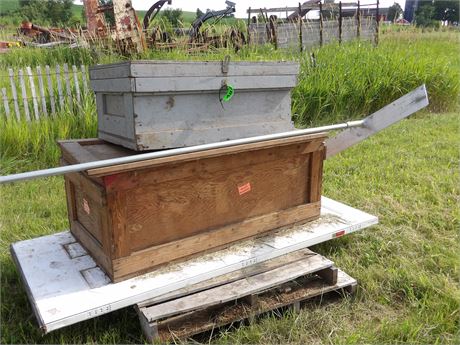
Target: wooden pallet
x: 286, y: 281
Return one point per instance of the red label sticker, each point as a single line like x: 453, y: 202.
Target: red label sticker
x: 108, y: 180
x: 244, y: 188
x: 339, y: 234
x: 86, y: 206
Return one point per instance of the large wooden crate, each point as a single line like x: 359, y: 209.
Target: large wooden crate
x: 134, y: 217
x: 150, y: 105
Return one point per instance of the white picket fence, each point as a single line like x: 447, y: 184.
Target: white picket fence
x: 31, y: 94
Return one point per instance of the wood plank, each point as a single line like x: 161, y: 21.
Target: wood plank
x: 93, y: 238
x: 211, y: 153
x: 33, y: 92
x: 214, y: 165
x: 237, y: 289
x: 113, y: 85
x: 85, y: 142
x: 316, y: 174
x: 292, y: 9
x: 87, y: 240
x: 50, y: 89
x: 41, y: 88
x: 88, y: 212
x: 274, y: 9
x: 67, y: 84
x: 5, y: 103
x: 74, y: 152
x: 215, y: 239
x: 121, y: 236
x: 14, y: 93
x: 329, y: 275
x: 59, y: 86
x: 84, y: 79
x: 161, y: 69
x: 95, y: 191
x: 77, y: 84
x: 200, y: 84
x: 24, y: 94
x: 230, y: 277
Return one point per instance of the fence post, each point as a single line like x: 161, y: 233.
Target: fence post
x: 50, y: 89
x: 377, y: 18
x: 33, y: 92
x: 340, y: 22
x: 24, y: 94
x: 273, y: 31
x: 5, y: 103
x: 77, y: 85
x: 42, y: 90
x: 320, y: 23
x: 249, y: 23
x: 84, y: 80
x: 67, y: 84
x: 59, y: 85
x: 300, y: 28
x: 358, y: 18
x: 15, y: 94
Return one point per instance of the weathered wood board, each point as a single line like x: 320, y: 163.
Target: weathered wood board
x: 288, y: 285
x: 237, y: 289
x: 134, y: 217
x: 65, y: 285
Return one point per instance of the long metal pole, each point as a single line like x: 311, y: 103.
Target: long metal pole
x: 173, y: 152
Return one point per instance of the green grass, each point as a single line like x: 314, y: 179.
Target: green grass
x: 8, y: 5
x: 355, y: 79
x: 13, y: 5
x: 407, y: 266
x: 32, y: 145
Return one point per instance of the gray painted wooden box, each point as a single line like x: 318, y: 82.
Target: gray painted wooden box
x: 148, y: 105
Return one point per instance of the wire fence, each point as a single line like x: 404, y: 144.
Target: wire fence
x: 311, y: 33
x: 31, y: 94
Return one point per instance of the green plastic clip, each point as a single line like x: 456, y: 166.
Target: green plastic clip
x: 229, y: 93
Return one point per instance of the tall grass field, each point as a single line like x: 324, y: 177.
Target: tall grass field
x: 407, y: 267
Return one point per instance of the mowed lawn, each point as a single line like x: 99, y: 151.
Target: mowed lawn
x: 407, y: 266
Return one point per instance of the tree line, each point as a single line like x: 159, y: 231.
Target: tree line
x: 431, y: 14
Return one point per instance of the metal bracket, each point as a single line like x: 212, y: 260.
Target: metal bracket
x: 225, y: 63
x: 392, y: 113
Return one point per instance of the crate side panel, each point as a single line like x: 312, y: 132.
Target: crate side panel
x: 115, y: 115
x: 164, y: 121
x: 204, y: 200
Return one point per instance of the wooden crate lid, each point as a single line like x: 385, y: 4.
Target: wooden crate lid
x: 88, y: 150
x: 160, y: 68
x: 191, y: 76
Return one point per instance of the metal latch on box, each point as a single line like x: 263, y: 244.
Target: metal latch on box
x: 225, y: 63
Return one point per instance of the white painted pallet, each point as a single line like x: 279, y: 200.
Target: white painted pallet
x: 65, y: 286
